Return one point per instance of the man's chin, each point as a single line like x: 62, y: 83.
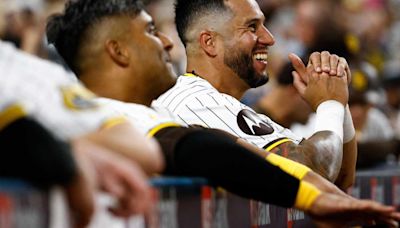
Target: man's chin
x: 258, y: 81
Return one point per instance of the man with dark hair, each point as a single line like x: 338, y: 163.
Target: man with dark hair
x: 52, y: 131
x: 227, y: 50
x: 126, y: 49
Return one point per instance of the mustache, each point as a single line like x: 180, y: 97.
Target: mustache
x: 260, y: 48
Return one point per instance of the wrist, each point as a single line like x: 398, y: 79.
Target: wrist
x: 349, y: 131
x: 306, y: 196
x: 330, y: 117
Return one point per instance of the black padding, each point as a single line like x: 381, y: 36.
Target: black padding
x: 214, y: 155
x: 31, y: 153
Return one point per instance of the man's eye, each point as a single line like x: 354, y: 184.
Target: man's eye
x: 153, y: 30
x: 253, y: 27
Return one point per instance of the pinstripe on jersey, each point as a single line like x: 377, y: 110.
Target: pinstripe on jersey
x: 195, y: 101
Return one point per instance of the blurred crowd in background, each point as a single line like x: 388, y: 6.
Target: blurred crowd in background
x: 365, y: 32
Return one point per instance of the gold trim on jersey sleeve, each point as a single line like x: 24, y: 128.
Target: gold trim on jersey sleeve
x: 189, y: 75
x: 109, y: 123
x: 306, y: 195
x: 11, y: 114
x: 277, y: 143
x: 76, y: 97
x: 291, y: 167
x: 159, y: 127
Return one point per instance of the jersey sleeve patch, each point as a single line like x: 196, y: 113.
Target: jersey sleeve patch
x: 77, y: 97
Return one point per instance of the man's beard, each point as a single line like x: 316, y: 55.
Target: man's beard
x: 242, y: 65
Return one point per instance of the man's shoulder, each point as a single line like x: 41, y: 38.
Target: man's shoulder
x: 29, y: 70
x: 138, y: 112
x: 124, y: 107
x: 186, y: 89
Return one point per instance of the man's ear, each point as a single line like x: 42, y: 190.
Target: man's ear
x: 117, y: 52
x: 208, y: 43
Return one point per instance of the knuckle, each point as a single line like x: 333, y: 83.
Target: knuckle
x: 315, y: 54
x: 325, y: 53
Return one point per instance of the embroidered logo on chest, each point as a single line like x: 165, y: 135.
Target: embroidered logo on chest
x: 250, y: 123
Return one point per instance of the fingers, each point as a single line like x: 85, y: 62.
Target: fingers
x: 138, y: 189
x: 80, y: 193
x: 299, y: 66
x: 325, y: 61
x: 298, y: 83
x: 334, y: 64
x: 341, y: 68
x: 330, y: 63
x: 377, y: 212
x: 81, y: 201
x: 112, y: 186
x: 348, y: 71
x: 123, y: 179
x: 136, y: 195
x: 315, y: 60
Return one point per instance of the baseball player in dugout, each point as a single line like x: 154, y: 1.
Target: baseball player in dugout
x: 53, y: 132
x: 118, y: 53
x: 227, y: 52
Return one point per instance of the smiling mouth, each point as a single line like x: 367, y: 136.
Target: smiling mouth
x: 261, y: 57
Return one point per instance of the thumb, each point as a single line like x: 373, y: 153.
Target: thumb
x: 298, y: 83
x: 299, y: 66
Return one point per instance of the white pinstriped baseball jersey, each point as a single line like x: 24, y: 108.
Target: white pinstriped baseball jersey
x: 47, y: 93
x: 143, y: 118
x: 196, y: 101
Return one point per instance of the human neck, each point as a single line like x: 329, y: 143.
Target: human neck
x: 218, y: 75
x: 107, y: 85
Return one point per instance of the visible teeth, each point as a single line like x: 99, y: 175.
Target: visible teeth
x: 261, y: 57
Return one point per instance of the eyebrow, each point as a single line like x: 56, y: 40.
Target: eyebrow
x: 255, y: 20
x: 150, y: 24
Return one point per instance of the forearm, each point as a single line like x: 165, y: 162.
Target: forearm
x: 321, y: 153
x: 33, y: 154
x: 211, y: 154
x: 127, y: 141
x: 348, y: 169
x: 298, y: 170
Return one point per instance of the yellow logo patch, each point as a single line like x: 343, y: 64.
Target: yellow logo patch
x: 77, y: 97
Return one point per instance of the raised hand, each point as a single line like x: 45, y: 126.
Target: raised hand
x: 322, y: 62
x: 316, y: 87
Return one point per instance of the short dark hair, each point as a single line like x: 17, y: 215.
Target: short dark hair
x: 67, y: 30
x: 189, y: 11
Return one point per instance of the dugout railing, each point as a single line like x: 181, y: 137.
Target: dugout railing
x: 181, y: 202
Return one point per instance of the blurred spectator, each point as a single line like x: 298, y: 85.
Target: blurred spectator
x: 375, y: 137
x: 391, y: 82
x: 164, y: 16
x: 294, y: 110
x: 23, y: 24
x: 24, y: 28
x: 318, y: 30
